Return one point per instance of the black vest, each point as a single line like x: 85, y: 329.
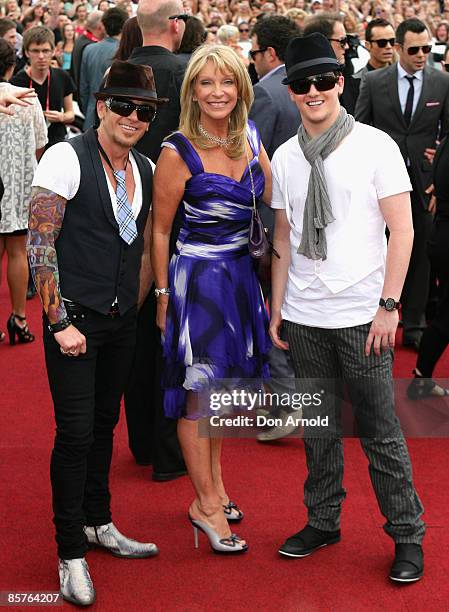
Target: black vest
x: 95, y: 265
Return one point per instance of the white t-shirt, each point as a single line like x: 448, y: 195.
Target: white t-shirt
x: 62, y: 156
x: 344, y: 290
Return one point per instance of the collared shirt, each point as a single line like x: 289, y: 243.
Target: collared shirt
x: 404, y: 86
x: 265, y: 76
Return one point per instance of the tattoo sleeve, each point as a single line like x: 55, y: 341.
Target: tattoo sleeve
x: 46, y: 215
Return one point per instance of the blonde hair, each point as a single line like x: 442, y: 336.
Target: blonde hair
x: 226, y: 32
x: 224, y: 59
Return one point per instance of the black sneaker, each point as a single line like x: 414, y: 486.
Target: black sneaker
x: 307, y: 541
x: 408, y: 564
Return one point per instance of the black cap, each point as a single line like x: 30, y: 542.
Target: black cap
x: 308, y: 56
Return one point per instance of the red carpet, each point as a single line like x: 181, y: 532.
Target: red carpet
x: 265, y: 480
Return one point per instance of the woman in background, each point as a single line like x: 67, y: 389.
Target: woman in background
x: 68, y: 42
x: 23, y: 137
x: 195, y: 35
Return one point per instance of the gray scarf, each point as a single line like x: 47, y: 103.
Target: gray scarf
x: 318, y: 209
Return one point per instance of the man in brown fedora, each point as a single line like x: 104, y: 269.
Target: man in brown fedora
x: 87, y: 245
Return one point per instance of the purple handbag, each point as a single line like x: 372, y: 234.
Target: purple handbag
x: 258, y: 243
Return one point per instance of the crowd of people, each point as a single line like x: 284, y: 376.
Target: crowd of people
x: 149, y: 140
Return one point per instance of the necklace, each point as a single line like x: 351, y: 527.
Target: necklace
x: 221, y: 142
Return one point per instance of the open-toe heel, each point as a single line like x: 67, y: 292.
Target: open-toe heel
x: 229, y: 545
x: 23, y: 333
x: 232, y: 512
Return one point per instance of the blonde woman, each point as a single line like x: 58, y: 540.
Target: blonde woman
x: 229, y: 35
x: 209, y: 301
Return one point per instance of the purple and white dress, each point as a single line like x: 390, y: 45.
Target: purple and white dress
x: 217, y: 324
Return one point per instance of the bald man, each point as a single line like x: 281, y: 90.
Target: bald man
x: 152, y: 437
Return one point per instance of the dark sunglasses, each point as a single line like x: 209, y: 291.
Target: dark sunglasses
x: 414, y: 50
x: 183, y: 16
x: 342, y: 41
x: 383, y: 42
x: 323, y: 82
x: 243, y: 29
x: 446, y: 67
x: 256, y: 51
x: 124, y: 108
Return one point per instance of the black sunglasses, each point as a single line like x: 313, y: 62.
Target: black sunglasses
x: 124, y: 108
x: 256, y: 51
x: 383, y: 42
x: 342, y: 41
x: 414, y: 50
x: 183, y: 16
x: 243, y: 29
x: 323, y: 82
x: 446, y: 67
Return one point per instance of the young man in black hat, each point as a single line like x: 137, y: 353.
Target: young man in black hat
x: 336, y: 288
x: 88, y: 242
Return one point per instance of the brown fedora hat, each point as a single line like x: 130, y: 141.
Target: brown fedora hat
x: 130, y: 81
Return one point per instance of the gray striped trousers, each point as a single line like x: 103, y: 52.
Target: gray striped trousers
x: 336, y: 357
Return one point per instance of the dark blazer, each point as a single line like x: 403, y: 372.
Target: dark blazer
x: 275, y: 115
x: 168, y: 70
x: 378, y: 105
x: 80, y: 44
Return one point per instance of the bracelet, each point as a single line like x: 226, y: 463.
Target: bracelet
x: 54, y: 328
x: 163, y: 291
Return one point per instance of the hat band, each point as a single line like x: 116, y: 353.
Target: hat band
x: 315, y: 62
x: 129, y: 92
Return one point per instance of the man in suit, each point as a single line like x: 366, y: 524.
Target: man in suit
x: 96, y: 59
x: 274, y: 114
x: 93, y: 33
x: 152, y: 437
x: 379, y: 40
x: 277, y: 119
x: 410, y: 101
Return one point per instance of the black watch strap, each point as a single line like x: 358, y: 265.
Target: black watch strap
x: 389, y: 304
x: 60, y: 325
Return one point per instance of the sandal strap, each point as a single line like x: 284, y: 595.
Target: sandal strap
x: 233, y: 540
x: 229, y: 507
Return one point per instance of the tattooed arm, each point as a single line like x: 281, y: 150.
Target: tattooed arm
x: 46, y: 216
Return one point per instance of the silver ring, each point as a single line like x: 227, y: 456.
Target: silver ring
x: 62, y: 350
x: 72, y: 353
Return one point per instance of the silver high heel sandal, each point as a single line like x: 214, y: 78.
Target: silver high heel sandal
x: 231, y: 544
x: 230, y: 517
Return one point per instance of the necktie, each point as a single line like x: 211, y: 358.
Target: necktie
x: 126, y: 224
x: 409, y: 102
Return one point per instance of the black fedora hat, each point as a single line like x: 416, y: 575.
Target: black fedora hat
x: 308, y: 56
x: 130, y: 81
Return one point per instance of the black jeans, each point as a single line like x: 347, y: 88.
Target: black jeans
x: 86, y: 393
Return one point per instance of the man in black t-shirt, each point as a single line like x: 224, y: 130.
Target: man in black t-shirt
x: 54, y: 87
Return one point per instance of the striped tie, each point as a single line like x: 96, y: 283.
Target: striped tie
x: 126, y: 223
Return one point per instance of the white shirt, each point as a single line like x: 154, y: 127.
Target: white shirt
x: 404, y: 86
x: 66, y: 183
x: 344, y: 290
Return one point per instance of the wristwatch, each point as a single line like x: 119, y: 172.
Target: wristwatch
x: 163, y: 291
x: 60, y: 325
x: 389, y: 304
